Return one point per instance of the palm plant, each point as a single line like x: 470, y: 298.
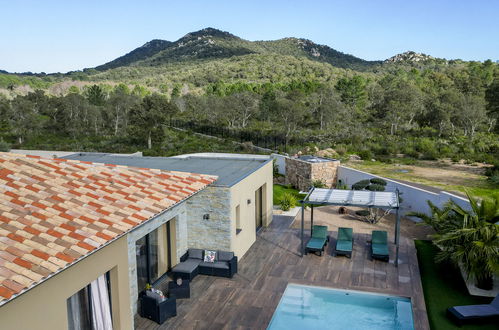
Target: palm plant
x: 468, y: 238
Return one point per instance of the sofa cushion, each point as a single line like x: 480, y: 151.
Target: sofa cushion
x: 210, y: 256
x: 187, y: 266
x: 225, y: 256
x: 196, y: 254
x: 216, y: 264
x: 155, y: 295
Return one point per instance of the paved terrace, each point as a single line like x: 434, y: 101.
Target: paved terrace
x: 249, y: 299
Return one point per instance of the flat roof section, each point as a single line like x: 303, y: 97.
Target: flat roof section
x: 229, y: 170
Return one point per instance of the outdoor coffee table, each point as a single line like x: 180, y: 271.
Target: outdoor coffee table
x: 180, y: 291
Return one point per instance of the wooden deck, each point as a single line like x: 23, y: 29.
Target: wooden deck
x: 249, y: 299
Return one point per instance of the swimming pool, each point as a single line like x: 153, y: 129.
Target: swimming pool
x: 309, y: 307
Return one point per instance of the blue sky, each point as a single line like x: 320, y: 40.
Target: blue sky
x: 53, y: 36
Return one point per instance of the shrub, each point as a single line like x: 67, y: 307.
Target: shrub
x: 366, y: 154
x: 378, y: 181
x: 375, y: 187
x: 4, y: 146
x: 318, y: 184
x: 362, y: 184
x: 362, y: 213
x: 287, y: 201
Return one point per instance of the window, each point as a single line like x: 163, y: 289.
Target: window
x: 147, y: 255
x: 238, y: 220
x: 90, y: 308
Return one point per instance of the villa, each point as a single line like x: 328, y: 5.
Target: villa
x: 84, y: 237
x: 80, y: 239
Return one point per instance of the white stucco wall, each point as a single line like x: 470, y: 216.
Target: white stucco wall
x: 280, y: 162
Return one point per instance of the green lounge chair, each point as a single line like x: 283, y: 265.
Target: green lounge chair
x: 344, y: 243
x: 318, y: 241
x: 379, y: 245
x: 320, y: 232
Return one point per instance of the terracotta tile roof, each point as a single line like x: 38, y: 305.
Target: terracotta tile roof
x: 55, y: 211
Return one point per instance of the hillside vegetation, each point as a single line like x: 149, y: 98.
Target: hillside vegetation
x: 291, y: 92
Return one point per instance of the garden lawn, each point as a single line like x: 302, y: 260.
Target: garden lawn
x: 279, y: 190
x: 444, y: 287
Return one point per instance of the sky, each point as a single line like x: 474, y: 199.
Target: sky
x: 60, y: 36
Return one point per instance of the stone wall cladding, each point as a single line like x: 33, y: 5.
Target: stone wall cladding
x: 176, y: 213
x: 300, y: 174
x: 214, y: 233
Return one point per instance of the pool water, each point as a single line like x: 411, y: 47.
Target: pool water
x: 309, y: 307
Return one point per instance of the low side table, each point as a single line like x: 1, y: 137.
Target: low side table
x: 182, y: 291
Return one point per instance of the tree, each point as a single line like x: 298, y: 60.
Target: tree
x: 120, y: 102
x: 402, y: 102
x: 468, y: 238
x: 326, y: 105
x: 492, y: 98
x: 353, y: 91
x: 23, y: 118
x: 289, y: 112
x: 95, y: 95
x: 148, y: 117
x: 470, y: 113
x: 240, y: 108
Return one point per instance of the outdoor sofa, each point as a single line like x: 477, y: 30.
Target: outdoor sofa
x: 475, y: 313
x: 193, y: 263
x: 344, y: 242
x: 379, y: 245
x: 318, y: 240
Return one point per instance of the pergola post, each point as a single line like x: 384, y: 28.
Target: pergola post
x: 311, y: 218
x: 302, y: 226
x: 397, y: 232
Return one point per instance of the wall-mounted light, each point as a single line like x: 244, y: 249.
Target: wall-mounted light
x: 206, y: 216
x: 249, y: 201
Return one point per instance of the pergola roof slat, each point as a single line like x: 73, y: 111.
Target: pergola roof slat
x: 381, y: 199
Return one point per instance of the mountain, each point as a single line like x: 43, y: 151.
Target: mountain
x: 409, y: 56
x: 147, y: 50
x: 212, y: 43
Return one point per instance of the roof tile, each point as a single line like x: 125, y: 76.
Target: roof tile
x: 57, y: 211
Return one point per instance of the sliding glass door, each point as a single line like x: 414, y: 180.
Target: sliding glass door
x: 150, y: 256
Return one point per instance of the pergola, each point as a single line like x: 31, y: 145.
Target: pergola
x: 363, y: 198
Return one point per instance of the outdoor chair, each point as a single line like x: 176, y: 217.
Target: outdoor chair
x: 318, y: 241
x: 475, y: 313
x: 379, y: 245
x: 344, y: 242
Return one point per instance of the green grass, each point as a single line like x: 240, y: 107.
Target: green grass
x: 279, y: 190
x: 444, y: 287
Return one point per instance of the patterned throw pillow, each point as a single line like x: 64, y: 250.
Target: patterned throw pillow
x: 210, y: 256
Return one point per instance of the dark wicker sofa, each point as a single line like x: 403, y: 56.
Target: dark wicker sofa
x: 192, y: 263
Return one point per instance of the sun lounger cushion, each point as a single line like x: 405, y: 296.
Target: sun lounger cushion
x: 379, y: 244
x: 471, y: 312
x: 316, y: 243
x: 344, y: 245
x: 319, y: 231
x: 476, y: 310
x: 345, y: 234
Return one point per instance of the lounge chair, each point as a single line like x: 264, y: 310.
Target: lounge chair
x: 379, y: 245
x: 475, y: 313
x: 318, y: 241
x: 344, y: 243
x: 320, y: 232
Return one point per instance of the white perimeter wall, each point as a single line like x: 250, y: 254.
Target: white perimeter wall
x: 280, y: 162
x: 414, y: 199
